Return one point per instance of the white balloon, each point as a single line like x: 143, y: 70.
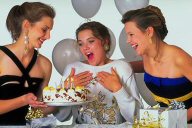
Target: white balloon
x: 86, y: 8
x: 113, y: 43
x: 126, y: 5
x: 65, y: 52
x: 128, y: 52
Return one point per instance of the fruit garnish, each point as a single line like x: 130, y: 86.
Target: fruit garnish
x: 79, y: 87
x: 52, y: 88
x: 46, y: 88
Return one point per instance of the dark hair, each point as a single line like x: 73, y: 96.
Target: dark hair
x: 146, y: 17
x: 32, y: 11
x: 99, y: 30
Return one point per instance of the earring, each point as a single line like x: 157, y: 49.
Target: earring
x: 106, y: 47
x: 150, y: 41
x: 26, y: 41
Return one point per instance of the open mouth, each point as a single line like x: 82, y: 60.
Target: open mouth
x: 41, y: 41
x: 134, y: 46
x: 89, y: 56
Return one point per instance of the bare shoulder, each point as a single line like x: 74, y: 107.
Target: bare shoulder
x: 3, y: 56
x: 180, y: 56
x: 44, y: 62
x: 3, y: 59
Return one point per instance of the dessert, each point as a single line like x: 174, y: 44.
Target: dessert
x: 77, y: 94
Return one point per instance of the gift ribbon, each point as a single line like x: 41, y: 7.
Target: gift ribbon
x: 34, y: 113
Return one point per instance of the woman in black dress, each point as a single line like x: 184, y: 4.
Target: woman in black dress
x: 23, y: 71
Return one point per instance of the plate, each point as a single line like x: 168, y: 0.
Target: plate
x: 68, y: 103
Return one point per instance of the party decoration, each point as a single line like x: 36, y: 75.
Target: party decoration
x: 128, y: 52
x: 65, y: 52
x: 113, y: 43
x: 176, y: 105
x: 34, y: 113
x: 86, y: 8
x: 173, y: 116
x: 143, y: 90
x: 126, y: 5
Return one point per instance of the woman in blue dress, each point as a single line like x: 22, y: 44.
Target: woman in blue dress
x: 168, y: 68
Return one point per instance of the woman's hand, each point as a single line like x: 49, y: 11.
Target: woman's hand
x: 81, y: 79
x: 109, y: 81
x: 31, y: 99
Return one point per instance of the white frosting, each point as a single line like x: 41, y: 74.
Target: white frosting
x: 50, y: 94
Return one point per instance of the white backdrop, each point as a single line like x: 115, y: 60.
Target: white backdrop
x: 178, y: 15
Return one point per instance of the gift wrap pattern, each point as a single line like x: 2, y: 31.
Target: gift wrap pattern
x: 163, y: 118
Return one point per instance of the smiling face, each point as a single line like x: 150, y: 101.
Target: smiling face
x: 91, y: 47
x: 136, y: 38
x: 39, y: 32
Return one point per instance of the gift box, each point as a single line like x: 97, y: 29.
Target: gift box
x: 163, y: 118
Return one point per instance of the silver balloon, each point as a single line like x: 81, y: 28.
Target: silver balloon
x: 86, y: 8
x: 143, y: 90
x: 128, y: 52
x: 126, y: 5
x: 113, y: 43
x: 65, y: 52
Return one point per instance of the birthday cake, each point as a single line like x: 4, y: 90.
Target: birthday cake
x: 77, y: 94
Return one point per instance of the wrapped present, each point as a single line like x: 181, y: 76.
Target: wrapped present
x: 163, y: 118
x: 175, y: 116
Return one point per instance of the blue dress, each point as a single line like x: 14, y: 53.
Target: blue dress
x: 165, y: 90
x: 12, y: 86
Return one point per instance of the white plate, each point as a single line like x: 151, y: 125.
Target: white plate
x: 68, y: 103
